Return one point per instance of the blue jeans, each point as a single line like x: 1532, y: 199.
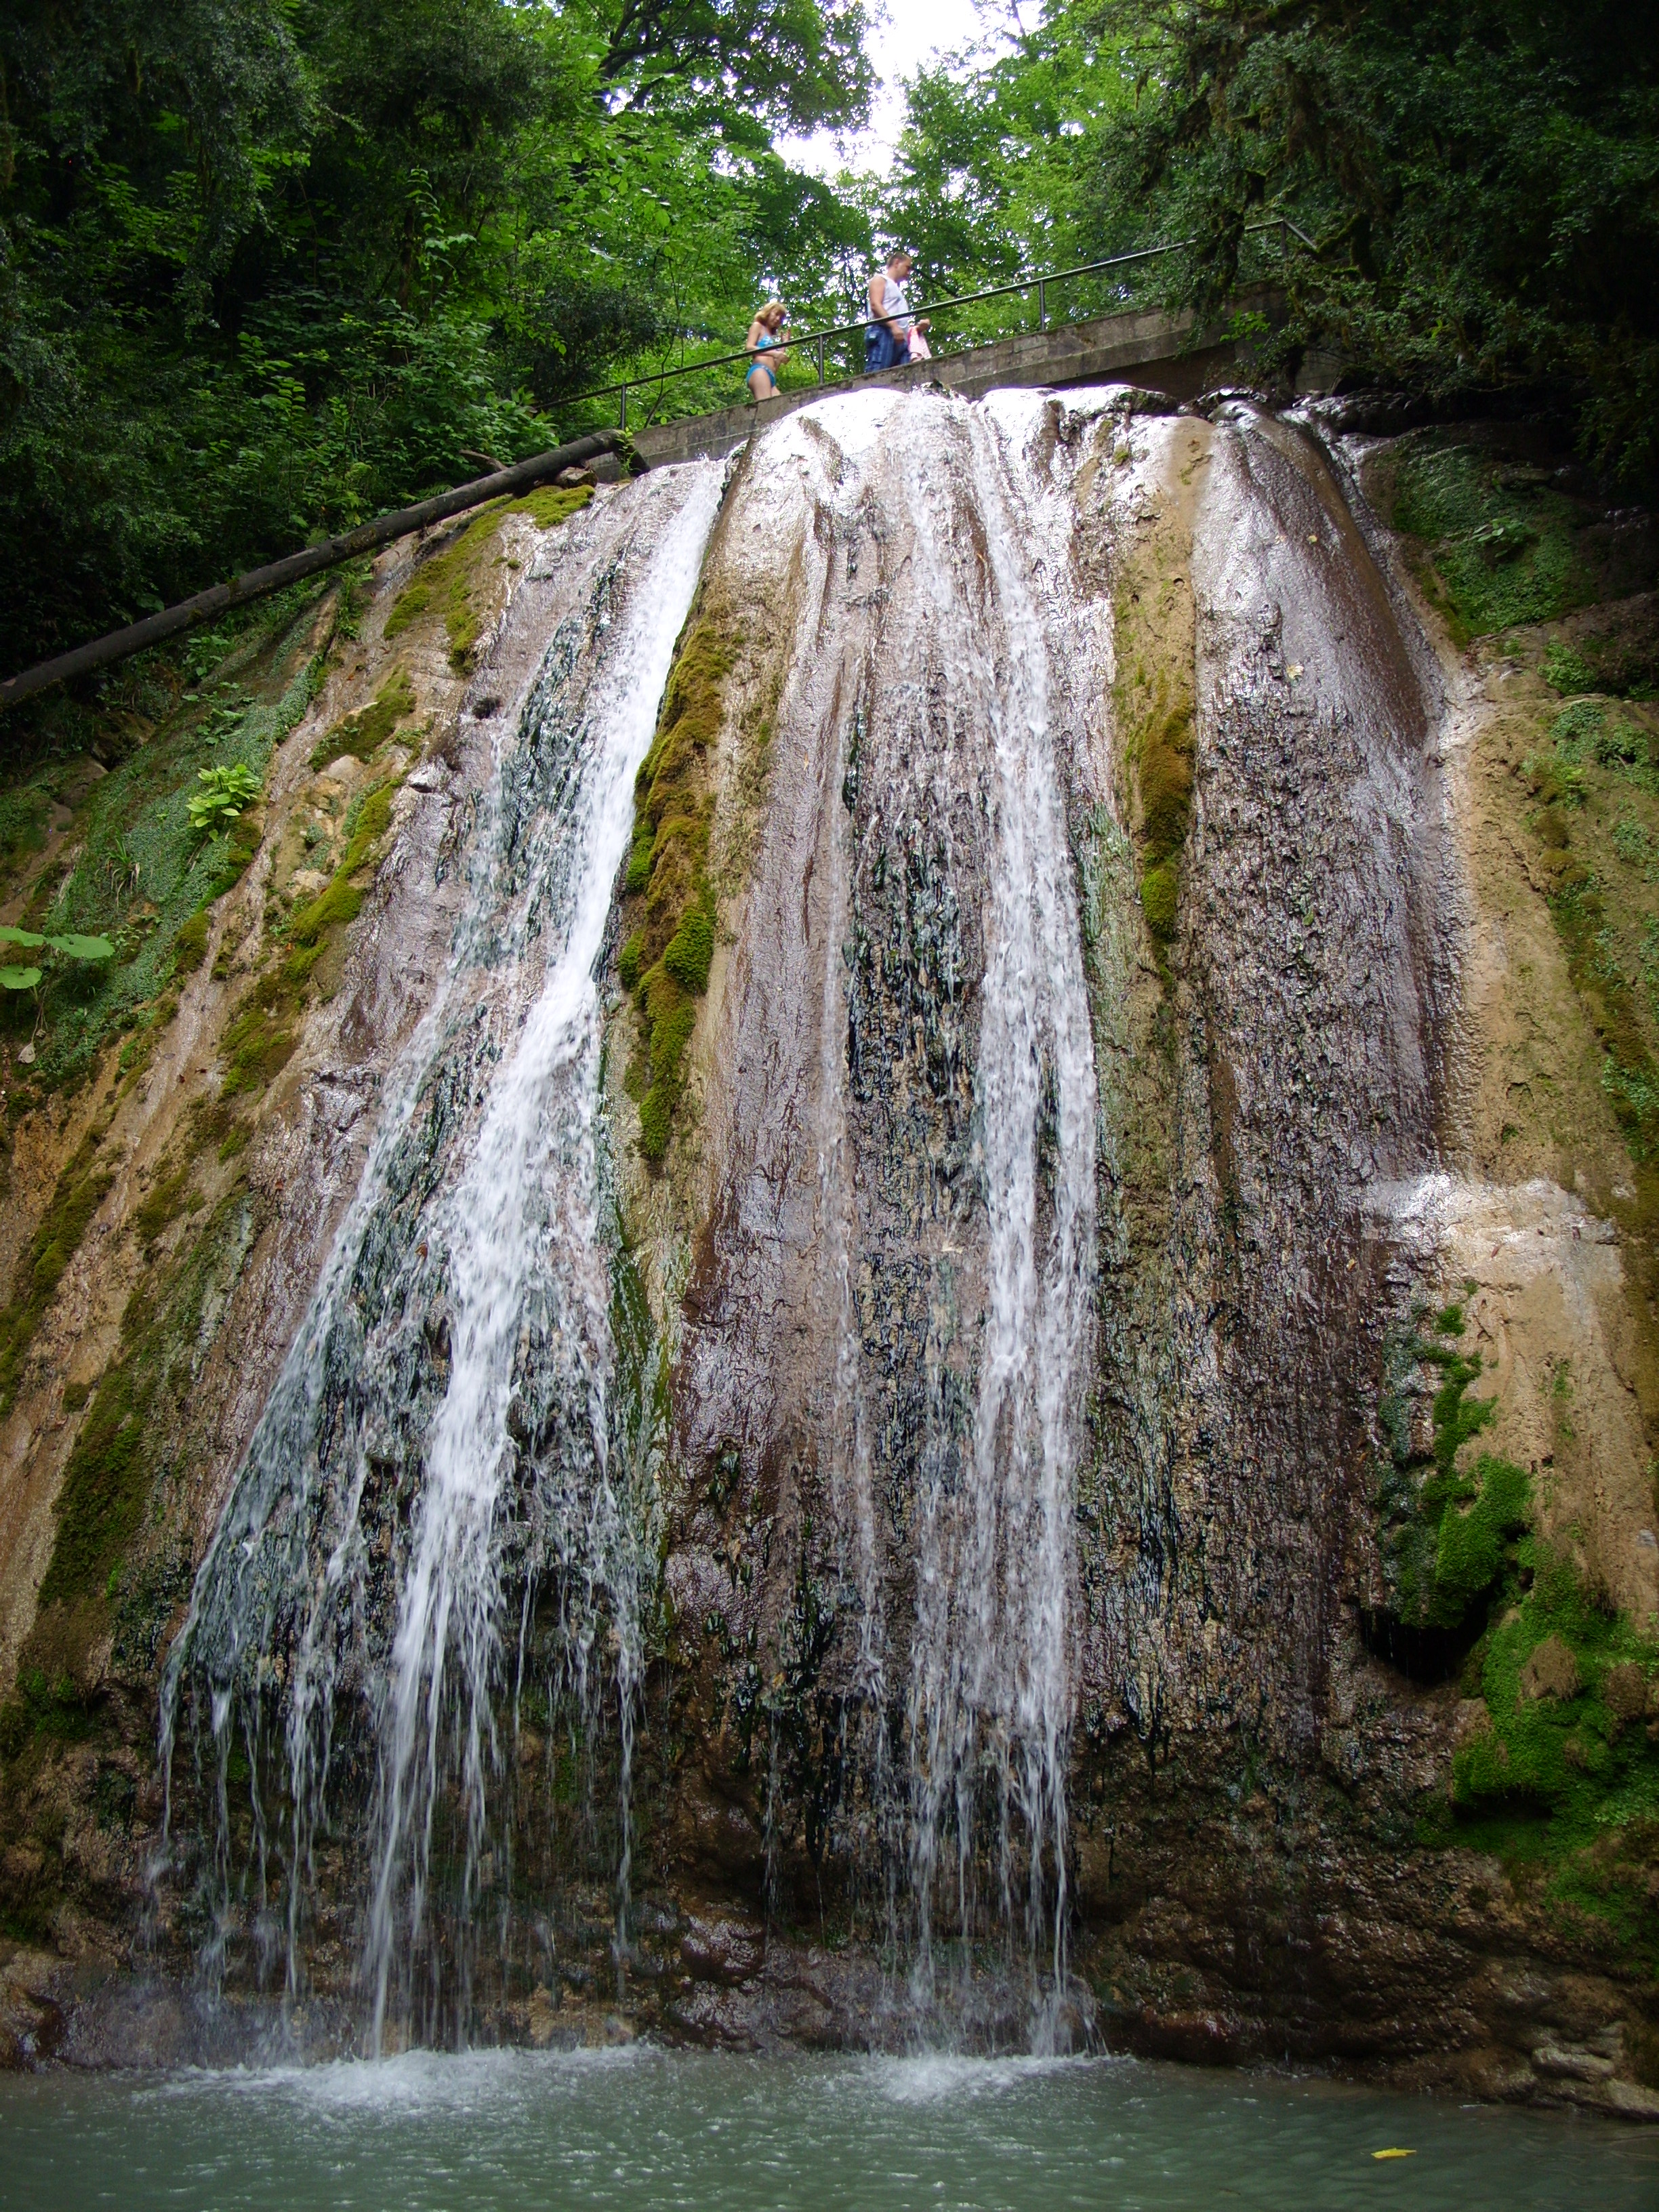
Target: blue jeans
x: 881, y: 349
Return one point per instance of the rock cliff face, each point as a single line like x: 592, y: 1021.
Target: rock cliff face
x: 900, y: 1203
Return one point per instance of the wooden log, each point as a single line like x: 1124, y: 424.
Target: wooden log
x: 122, y: 644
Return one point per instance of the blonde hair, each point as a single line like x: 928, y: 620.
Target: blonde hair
x: 773, y: 308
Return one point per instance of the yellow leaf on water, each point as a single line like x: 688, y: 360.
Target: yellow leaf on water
x: 1393, y: 2154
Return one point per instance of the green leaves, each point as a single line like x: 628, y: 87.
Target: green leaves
x: 267, y: 269
x: 68, y: 947
x: 1481, y: 174
x: 83, y: 948
x: 225, y: 792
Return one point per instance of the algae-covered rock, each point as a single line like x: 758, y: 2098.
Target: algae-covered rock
x: 1551, y: 1672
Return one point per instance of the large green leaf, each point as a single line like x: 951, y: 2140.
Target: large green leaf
x: 83, y: 948
x: 19, y: 979
x: 9, y: 936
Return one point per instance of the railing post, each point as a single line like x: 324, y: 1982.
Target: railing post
x: 820, y: 357
x: 622, y: 421
x: 1042, y: 304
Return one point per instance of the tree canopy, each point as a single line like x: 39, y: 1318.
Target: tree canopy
x: 269, y: 266
x: 1481, y: 178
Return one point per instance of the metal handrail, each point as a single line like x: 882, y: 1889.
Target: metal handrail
x: 1041, y: 279
x: 137, y: 637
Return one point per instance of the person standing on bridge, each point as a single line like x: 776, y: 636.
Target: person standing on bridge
x: 766, y: 337
x: 887, y: 338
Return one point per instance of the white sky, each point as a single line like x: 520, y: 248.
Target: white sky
x: 913, y: 33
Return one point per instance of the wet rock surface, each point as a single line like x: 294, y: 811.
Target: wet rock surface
x: 918, y: 1525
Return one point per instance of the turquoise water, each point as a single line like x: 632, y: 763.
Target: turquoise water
x: 640, y: 2128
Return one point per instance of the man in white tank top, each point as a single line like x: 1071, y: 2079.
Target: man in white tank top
x: 887, y: 340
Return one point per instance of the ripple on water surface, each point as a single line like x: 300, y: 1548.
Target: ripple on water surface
x: 494, y: 2131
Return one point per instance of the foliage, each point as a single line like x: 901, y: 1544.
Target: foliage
x: 266, y: 269
x: 1504, y: 542
x: 1481, y: 181
x: 994, y: 167
x: 138, y: 869
x: 1565, y: 670
x: 70, y: 947
x: 226, y: 790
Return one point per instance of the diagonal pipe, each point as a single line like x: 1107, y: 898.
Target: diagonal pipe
x: 122, y: 644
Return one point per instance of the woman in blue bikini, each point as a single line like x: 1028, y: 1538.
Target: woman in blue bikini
x: 765, y: 337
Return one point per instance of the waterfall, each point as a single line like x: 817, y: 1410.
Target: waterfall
x: 870, y: 1258
x: 440, y: 1438
x: 991, y: 1688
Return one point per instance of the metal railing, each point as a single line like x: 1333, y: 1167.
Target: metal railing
x: 137, y: 637
x: 1040, y: 283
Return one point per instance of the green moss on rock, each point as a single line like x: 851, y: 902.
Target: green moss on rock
x: 1159, y: 899
x: 190, y: 946
x: 106, y: 1486
x: 130, y: 1428
x: 445, y: 581
x: 690, y: 952
x: 80, y: 1191
x: 1503, y: 543
x: 1565, y: 1742
x: 1446, y: 1530
x: 1630, y: 1076
x: 667, y: 957
x: 260, y: 1037
x: 1152, y: 697
x: 362, y: 735
x: 168, y: 1197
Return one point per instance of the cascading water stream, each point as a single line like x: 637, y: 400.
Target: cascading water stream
x: 445, y: 1405
x: 991, y: 1682
x: 537, y: 1138
x: 444, y: 1443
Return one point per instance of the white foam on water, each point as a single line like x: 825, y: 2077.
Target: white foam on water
x: 431, y: 2081
x: 937, y: 2077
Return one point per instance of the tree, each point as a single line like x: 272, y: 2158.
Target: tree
x: 1482, y: 177
x: 267, y: 266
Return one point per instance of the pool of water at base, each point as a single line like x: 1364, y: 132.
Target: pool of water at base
x: 637, y: 2127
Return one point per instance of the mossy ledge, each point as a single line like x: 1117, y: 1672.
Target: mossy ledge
x: 362, y: 735
x: 445, y: 579
x: 261, y: 1035
x: 670, y: 907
